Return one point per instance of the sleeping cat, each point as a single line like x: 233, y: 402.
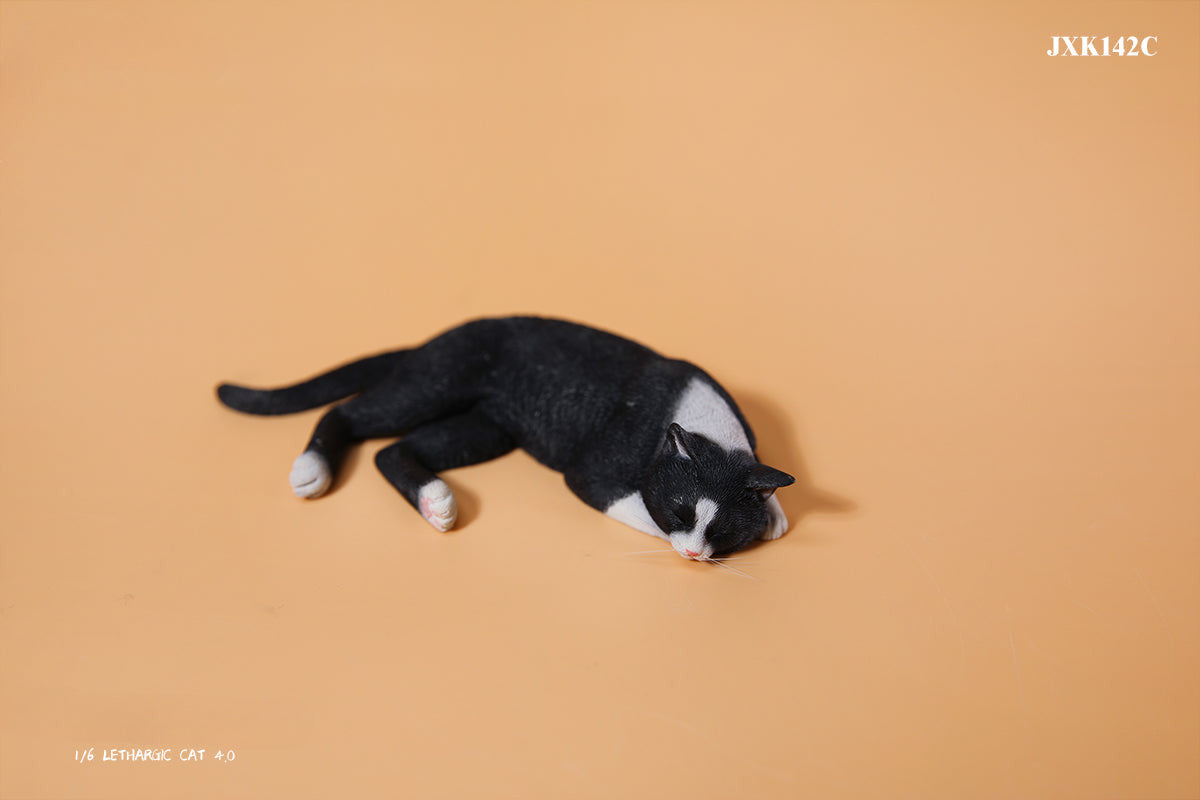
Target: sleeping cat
x: 653, y: 442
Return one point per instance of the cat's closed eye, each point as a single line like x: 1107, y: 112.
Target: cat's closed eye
x: 685, y: 514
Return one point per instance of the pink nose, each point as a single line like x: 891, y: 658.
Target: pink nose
x: 690, y: 553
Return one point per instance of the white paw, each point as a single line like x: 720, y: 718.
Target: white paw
x: 310, y: 475
x: 778, y: 525
x: 438, y: 506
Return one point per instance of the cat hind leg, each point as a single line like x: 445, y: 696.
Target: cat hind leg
x: 313, y: 470
x: 368, y: 416
x: 411, y: 464
x: 409, y: 399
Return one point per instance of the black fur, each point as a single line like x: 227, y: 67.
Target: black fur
x: 584, y: 402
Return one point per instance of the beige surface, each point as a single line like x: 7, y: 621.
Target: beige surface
x: 952, y: 280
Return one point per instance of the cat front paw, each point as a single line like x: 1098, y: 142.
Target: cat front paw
x: 777, y: 525
x: 437, y: 505
x: 311, y: 475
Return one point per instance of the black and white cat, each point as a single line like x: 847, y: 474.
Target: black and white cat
x: 653, y: 442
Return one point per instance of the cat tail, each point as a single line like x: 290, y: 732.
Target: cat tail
x: 317, y: 391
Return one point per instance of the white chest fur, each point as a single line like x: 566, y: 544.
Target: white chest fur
x: 702, y: 410
x: 631, y: 510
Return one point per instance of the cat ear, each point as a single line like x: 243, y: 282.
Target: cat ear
x: 765, y: 480
x: 677, y: 441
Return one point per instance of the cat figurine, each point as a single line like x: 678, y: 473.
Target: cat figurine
x: 651, y: 441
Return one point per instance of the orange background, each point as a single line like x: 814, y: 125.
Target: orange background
x: 952, y: 281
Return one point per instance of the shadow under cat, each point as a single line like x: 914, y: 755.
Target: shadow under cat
x: 779, y: 444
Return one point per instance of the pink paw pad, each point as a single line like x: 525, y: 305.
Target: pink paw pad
x: 436, y: 504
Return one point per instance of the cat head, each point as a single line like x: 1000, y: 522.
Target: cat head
x: 709, y: 501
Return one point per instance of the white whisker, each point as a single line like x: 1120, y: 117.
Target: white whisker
x: 731, y: 569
